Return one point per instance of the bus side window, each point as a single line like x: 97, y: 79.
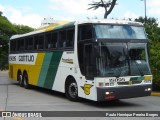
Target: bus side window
x: 29, y: 43
x: 70, y: 38
x: 54, y: 39
x: 48, y: 38
x: 20, y: 44
x: 36, y: 42
x: 39, y: 42
x: 13, y: 46
x: 62, y: 39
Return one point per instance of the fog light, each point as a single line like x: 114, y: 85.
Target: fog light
x: 149, y: 89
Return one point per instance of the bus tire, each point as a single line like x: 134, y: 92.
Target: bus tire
x: 25, y: 81
x: 19, y: 78
x: 71, y: 90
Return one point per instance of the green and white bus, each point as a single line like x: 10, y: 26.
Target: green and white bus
x: 99, y: 60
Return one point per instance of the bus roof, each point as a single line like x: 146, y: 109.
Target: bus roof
x: 59, y: 25
x: 65, y: 24
x: 110, y: 21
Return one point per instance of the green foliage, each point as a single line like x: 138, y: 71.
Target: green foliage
x: 21, y: 29
x: 153, y: 32
x: 7, y: 29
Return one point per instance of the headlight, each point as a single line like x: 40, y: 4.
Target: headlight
x: 148, y: 81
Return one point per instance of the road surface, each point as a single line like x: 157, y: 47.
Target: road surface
x: 15, y: 98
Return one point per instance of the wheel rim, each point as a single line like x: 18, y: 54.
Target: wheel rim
x: 20, y: 79
x: 25, y: 81
x: 73, y: 90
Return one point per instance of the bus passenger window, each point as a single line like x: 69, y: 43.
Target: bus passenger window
x: 62, y: 39
x: 48, y: 37
x: 70, y: 38
x: 54, y: 40
x: 36, y: 42
x: 13, y: 46
x: 39, y: 42
x: 20, y: 44
x: 29, y: 43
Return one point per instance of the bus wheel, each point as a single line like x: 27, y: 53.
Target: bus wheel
x: 25, y: 81
x: 72, y: 90
x: 19, y: 79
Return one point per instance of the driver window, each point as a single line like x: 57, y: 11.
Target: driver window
x: 89, y: 62
x: 85, y: 32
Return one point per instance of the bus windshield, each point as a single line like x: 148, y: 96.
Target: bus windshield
x: 122, y: 59
x: 119, y: 32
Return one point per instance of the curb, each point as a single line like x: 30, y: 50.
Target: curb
x: 155, y: 94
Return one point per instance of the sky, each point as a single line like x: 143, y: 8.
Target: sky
x: 32, y: 12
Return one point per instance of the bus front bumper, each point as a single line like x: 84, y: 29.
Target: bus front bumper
x: 122, y: 92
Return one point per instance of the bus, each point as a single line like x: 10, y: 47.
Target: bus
x: 99, y: 60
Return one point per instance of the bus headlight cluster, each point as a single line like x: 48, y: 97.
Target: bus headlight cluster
x: 148, y: 81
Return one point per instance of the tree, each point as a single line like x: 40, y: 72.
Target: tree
x: 21, y: 29
x: 110, y: 4
x: 7, y: 29
x: 152, y: 29
x: 1, y: 13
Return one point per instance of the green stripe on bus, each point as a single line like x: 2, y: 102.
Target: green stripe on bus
x: 136, y: 78
x: 52, y: 70
x: 44, y: 69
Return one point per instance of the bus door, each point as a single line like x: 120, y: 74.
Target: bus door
x: 89, y: 86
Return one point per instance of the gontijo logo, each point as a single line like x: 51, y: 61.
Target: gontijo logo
x: 23, y: 58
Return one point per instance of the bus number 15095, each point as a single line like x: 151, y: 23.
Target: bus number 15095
x: 117, y: 80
